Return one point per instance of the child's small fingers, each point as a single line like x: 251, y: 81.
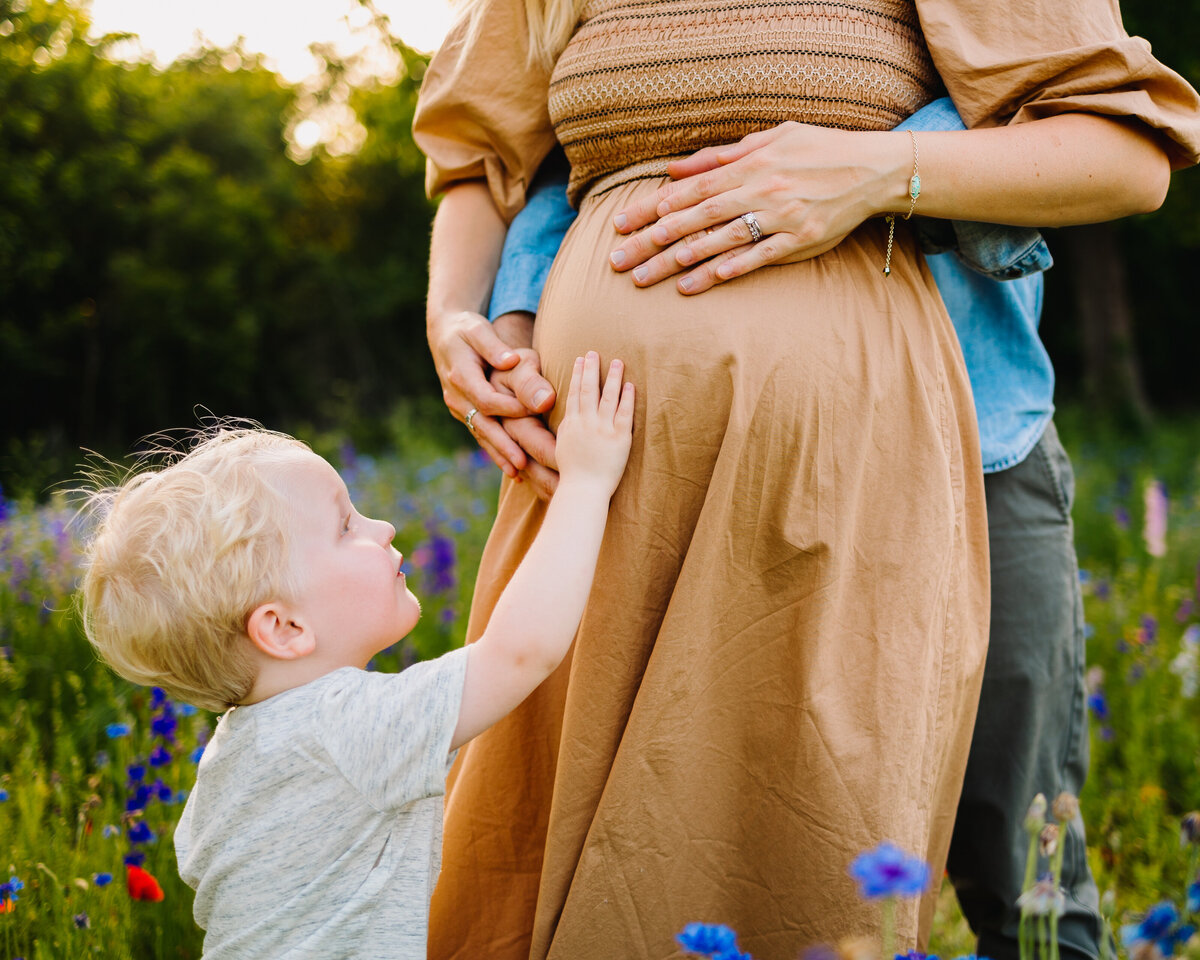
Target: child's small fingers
x: 589, y: 393
x: 611, y: 394
x: 624, y: 417
x: 574, y: 390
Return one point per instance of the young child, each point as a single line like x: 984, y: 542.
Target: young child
x: 241, y: 578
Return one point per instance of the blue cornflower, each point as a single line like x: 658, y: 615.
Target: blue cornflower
x: 1149, y: 628
x: 196, y: 754
x: 140, y: 832
x: 1160, y: 926
x: 1193, y: 898
x: 917, y: 955
x: 8, y: 891
x: 81, y: 921
x: 102, y: 879
x: 3, y: 796
x: 1098, y: 705
x: 709, y: 939
x: 115, y: 731
x: 160, y: 756
x: 135, y: 858
x: 180, y: 796
x: 136, y: 772
x: 164, y: 793
x: 1085, y: 576
x: 163, y: 724
x: 110, y: 830
x: 158, y: 696
x: 887, y: 871
x: 185, y: 709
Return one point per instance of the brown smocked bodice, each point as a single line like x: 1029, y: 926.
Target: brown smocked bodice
x: 643, y: 80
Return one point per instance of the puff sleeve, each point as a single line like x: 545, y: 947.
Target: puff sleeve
x: 482, y: 111
x: 1015, y: 62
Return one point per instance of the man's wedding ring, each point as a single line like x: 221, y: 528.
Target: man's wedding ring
x: 468, y: 418
x: 751, y: 221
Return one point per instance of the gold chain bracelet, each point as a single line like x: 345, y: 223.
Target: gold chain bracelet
x: 914, y: 191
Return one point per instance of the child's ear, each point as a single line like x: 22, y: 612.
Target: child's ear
x: 278, y: 632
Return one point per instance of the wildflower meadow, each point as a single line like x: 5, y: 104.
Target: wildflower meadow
x: 94, y: 771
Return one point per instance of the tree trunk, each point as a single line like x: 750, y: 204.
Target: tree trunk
x: 1112, y: 377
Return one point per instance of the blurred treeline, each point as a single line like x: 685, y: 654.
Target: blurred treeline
x: 164, y: 244
x: 160, y: 248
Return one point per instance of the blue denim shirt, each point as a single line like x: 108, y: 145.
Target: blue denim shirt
x: 996, y: 317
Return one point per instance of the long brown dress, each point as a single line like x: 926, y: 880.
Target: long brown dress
x: 779, y: 664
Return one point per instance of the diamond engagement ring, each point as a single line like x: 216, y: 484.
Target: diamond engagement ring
x: 751, y: 221
x: 468, y: 418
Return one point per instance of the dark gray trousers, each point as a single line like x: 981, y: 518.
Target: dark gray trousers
x: 1031, y: 733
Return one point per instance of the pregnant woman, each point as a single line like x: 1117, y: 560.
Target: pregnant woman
x: 780, y: 661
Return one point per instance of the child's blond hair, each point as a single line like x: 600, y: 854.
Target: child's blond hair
x: 179, y: 559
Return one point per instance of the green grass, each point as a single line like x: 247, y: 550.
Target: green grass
x: 66, y: 780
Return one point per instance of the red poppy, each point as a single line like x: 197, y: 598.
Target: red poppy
x: 142, y: 886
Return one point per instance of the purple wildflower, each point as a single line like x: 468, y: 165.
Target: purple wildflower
x: 160, y: 756
x: 136, y: 773
x: 135, y: 858
x: 1149, y: 629
x: 140, y: 832
x: 82, y: 922
x: 1185, y: 611
x: 102, y: 879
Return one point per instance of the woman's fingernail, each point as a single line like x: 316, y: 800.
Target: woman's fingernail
x: 540, y: 397
x: 617, y: 257
x: 684, y: 256
x: 641, y: 273
x: 620, y: 220
x: 725, y: 270
x: 659, y: 235
x: 686, y: 283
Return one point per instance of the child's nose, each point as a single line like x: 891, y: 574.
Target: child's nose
x: 388, y: 531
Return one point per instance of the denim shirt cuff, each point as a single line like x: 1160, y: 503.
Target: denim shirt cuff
x: 519, y: 283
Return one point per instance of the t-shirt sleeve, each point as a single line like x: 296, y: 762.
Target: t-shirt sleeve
x: 389, y: 734
x: 483, y: 108
x: 1015, y: 62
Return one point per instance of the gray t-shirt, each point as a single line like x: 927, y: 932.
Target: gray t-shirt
x: 315, y: 826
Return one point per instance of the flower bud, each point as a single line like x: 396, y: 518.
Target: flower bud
x: 1189, y: 828
x: 1035, y: 819
x: 1066, y: 807
x: 1048, y: 840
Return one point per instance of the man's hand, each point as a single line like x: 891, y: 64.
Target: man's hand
x: 465, y: 349
x: 524, y: 381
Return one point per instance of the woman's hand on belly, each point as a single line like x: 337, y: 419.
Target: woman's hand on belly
x: 807, y: 187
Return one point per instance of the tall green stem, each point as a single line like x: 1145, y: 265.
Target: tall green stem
x: 1056, y: 865
x: 1024, y: 934
x: 887, y: 933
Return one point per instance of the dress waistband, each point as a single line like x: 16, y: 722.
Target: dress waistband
x: 642, y: 170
